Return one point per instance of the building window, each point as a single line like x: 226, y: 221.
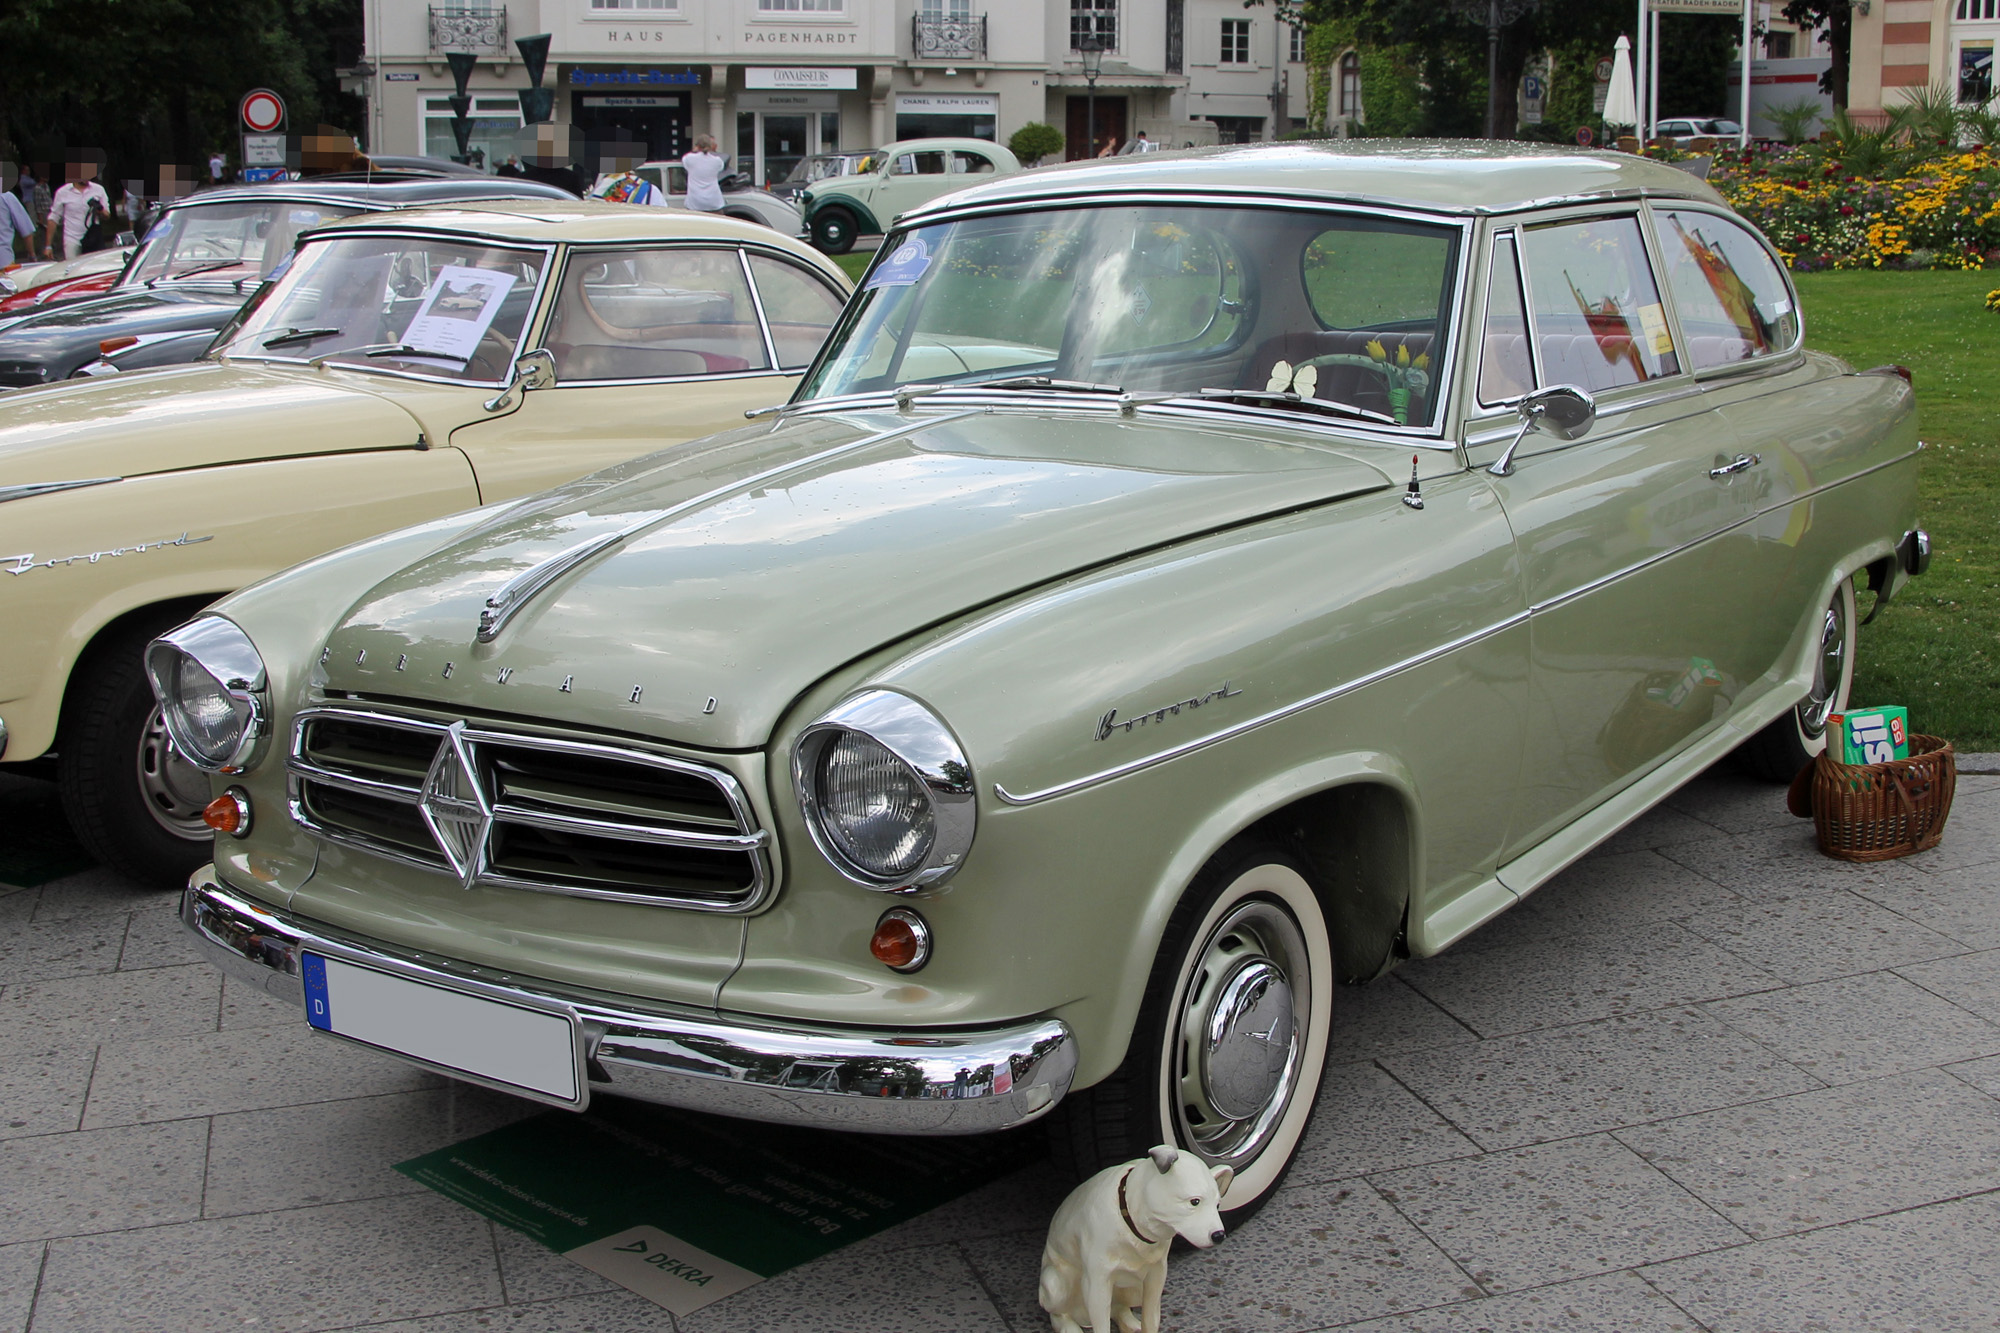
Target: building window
x: 635, y: 6
x: 1093, y: 18
x: 1235, y: 42
x: 494, y: 122
x: 1777, y: 46
x: 1350, y: 86
x: 1176, y: 39
x: 1975, y: 72
x: 801, y: 6
x: 1978, y: 9
x: 1298, y: 45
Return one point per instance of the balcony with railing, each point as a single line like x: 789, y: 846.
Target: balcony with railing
x: 461, y: 28
x: 948, y: 36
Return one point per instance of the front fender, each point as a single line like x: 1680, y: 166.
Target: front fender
x: 864, y: 217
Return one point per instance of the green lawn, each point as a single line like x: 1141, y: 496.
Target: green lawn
x: 1936, y: 649
x: 854, y: 262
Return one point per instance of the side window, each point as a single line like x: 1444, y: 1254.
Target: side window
x: 919, y: 164
x: 972, y: 164
x: 1732, y: 299
x: 649, y: 314
x: 1598, y: 321
x: 800, y: 308
x: 1505, y: 370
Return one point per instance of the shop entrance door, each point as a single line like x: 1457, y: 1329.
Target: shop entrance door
x: 1109, y: 121
x: 770, y: 143
x: 657, y: 122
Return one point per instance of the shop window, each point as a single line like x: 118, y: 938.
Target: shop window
x: 1975, y: 72
x: 654, y: 314
x: 1598, y: 319
x: 1732, y: 300
x: 1235, y: 42
x: 494, y: 122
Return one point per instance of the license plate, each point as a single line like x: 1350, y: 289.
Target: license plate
x: 532, y: 1050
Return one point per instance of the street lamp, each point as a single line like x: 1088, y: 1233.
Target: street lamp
x: 1091, y: 48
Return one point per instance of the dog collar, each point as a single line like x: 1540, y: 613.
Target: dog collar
x: 1126, y: 1213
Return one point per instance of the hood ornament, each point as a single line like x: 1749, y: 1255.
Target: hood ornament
x: 516, y: 592
x: 456, y: 808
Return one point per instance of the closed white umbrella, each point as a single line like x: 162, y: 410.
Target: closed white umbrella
x: 1621, y: 103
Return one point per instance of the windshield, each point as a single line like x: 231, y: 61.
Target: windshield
x: 818, y: 168
x: 1342, y: 308
x: 431, y: 304
x: 230, y: 240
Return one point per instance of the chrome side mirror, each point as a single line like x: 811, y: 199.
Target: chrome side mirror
x: 1563, y: 411
x: 532, y: 370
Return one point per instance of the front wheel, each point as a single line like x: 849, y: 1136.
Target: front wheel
x: 1780, y: 750
x: 1231, y: 1042
x: 134, y: 802
x: 833, y: 231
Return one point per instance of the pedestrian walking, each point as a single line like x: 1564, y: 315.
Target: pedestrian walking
x: 70, y: 210
x: 704, y: 175
x: 20, y: 227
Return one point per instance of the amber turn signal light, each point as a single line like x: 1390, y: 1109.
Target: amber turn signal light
x: 902, y: 940
x: 229, y: 813
x: 110, y: 345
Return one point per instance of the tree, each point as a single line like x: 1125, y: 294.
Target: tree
x: 152, y: 81
x: 1837, y: 17
x: 1035, y: 141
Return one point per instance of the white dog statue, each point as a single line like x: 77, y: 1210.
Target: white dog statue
x: 1106, y: 1258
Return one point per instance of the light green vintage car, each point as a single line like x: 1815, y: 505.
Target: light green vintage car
x: 1181, y: 585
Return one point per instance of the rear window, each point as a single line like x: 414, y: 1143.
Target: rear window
x: 1732, y: 300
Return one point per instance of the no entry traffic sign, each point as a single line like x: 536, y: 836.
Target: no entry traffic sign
x: 262, y: 111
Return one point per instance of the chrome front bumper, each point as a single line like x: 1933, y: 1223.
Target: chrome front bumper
x: 921, y: 1081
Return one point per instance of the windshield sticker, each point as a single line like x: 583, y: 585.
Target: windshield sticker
x: 457, y: 310
x: 902, y: 268
x: 1142, y: 305
x: 278, y: 270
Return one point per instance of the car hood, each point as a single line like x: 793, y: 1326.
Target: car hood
x: 756, y: 562
x: 195, y: 416
x: 66, y: 335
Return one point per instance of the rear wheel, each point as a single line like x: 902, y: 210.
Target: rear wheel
x: 134, y: 802
x: 833, y: 230
x: 1780, y: 750
x: 1231, y: 1041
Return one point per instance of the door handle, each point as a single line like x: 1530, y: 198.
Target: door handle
x: 1742, y: 461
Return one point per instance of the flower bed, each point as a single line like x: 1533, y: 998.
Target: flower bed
x: 1942, y: 214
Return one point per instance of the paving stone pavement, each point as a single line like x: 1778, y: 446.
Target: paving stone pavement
x: 1705, y: 1080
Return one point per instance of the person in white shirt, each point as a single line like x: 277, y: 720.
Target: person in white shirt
x: 14, y: 215
x: 704, y: 173
x: 69, y: 210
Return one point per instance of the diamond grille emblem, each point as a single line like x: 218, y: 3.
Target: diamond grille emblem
x: 455, y: 807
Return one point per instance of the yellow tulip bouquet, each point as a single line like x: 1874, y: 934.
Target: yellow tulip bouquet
x: 1404, y: 373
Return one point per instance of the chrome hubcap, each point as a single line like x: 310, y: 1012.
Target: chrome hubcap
x: 1828, y: 670
x: 174, y: 791
x: 1240, y: 1035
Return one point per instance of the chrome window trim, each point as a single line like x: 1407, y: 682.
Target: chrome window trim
x: 1644, y: 223
x: 50, y: 487
x: 1074, y: 785
x: 716, y: 377
x: 784, y: 257
x: 757, y: 304
x: 752, y: 839
x: 1476, y: 374
x: 1798, y: 345
x: 717, y: 243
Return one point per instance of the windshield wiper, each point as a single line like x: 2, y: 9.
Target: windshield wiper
x: 290, y: 336
x: 1266, y: 398
x: 179, y: 273
x: 384, y: 349
x: 1035, y: 382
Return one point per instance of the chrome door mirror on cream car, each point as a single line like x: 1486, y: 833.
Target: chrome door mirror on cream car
x: 532, y: 370
x: 1563, y: 411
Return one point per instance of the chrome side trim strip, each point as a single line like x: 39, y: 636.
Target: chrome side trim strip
x: 908, y: 1081
x: 47, y: 487
x: 1397, y: 668
x: 1261, y: 720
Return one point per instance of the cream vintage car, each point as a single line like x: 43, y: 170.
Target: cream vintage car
x: 1182, y: 584
x: 407, y: 365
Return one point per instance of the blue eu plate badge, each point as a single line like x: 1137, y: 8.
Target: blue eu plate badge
x: 319, y: 1013
x: 904, y: 267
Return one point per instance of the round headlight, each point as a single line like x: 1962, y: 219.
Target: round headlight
x: 874, y: 807
x: 211, y: 685
x: 887, y: 792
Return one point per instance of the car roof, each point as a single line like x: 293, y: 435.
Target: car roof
x: 922, y: 145
x: 579, y: 221
x: 394, y: 191
x: 1443, y: 176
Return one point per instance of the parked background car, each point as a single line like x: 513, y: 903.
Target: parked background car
x: 740, y: 198
x: 898, y: 177
x: 1181, y: 584
x: 1685, y: 131
x: 35, y: 287
x: 205, y: 256
x: 578, y: 334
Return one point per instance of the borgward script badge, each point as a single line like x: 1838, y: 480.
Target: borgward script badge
x: 455, y: 806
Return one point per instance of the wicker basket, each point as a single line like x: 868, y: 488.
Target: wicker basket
x: 1874, y: 812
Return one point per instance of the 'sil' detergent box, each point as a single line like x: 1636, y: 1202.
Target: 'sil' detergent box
x: 1870, y: 736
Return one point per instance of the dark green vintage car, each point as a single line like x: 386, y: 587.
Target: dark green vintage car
x: 1182, y: 584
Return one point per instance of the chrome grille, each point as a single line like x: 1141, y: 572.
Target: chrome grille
x: 528, y: 812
